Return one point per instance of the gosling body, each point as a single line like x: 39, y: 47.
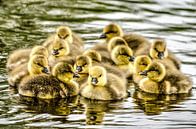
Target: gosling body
x: 160, y: 81
x: 103, y: 86
x: 57, y: 85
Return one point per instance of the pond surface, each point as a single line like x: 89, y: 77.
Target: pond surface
x: 24, y: 23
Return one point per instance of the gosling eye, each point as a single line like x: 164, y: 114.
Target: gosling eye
x: 100, y: 75
x: 63, y: 37
x: 110, y: 32
x: 85, y: 64
x: 39, y: 64
x: 61, y: 48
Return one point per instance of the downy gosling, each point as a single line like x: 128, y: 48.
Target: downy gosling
x: 65, y: 33
x: 123, y: 58
x: 103, y: 86
x: 136, y: 42
x: 162, y: 81
x: 159, y: 51
x: 61, y: 51
x: 38, y: 64
x: 140, y: 64
x: 57, y: 85
x: 21, y: 56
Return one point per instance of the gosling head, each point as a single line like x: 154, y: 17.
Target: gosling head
x: 155, y: 71
x: 63, y: 71
x: 97, y: 76
x: 141, y: 63
x: 116, y: 41
x: 60, y: 48
x: 64, y: 33
x: 158, y: 49
x: 82, y: 64
x: 93, y: 55
x: 39, y: 50
x: 38, y: 64
x: 122, y: 55
x: 110, y: 31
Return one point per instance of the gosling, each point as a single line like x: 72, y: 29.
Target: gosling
x: 38, y: 64
x: 57, y: 85
x: 162, y: 81
x: 66, y: 34
x: 21, y: 56
x: 136, y: 42
x: 103, y: 86
x: 159, y: 51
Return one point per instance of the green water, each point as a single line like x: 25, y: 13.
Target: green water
x: 24, y: 23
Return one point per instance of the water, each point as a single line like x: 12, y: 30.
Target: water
x: 24, y: 23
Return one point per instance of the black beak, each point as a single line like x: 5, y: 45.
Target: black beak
x: 45, y: 70
x: 144, y: 73
x: 131, y: 58
x: 94, y: 81
x: 161, y: 55
x: 78, y: 68
x: 76, y: 75
x: 103, y: 36
x: 55, y: 52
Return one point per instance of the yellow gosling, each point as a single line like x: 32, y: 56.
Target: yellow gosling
x: 136, y: 42
x: 57, y: 85
x: 159, y: 51
x: 22, y: 56
x: 140, y: 64
x: 160, y: 81
x: 65, y: 33
x: 37, y: 64
x: 103, y: 86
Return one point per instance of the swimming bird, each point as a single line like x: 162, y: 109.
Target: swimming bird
x: 37, y: 64
x: 57, y: 85
x: 140, y: 64
x: 21, y: 56
x: 159, y: 51
x: 123, y: 58
x: 66, y: 34
x: 105, y: 49
x: 103, y: 86
x: 162, y: 81
x: 138, y: 43
x: 61, y: 51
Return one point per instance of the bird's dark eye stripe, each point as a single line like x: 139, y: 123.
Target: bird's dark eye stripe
x: 40, y: 64
x: 110, y: 32
x: 85, y: 64
x: 64, y: 37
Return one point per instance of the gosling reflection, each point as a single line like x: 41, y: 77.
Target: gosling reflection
x: 95, y: 110
x: 61, y: 107
x: 154, y: 104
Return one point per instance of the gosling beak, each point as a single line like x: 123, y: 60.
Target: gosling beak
x: 76, y: 75
x: 94, y: 81
x: 55, y: 52
x: 45, y: 70
x: 103, y: 36
x: 161, y: 55
x: 78, y: 69
x: 131, y: 58
x: 144, y: 73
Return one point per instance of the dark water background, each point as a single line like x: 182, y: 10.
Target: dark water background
x: 24, y: 23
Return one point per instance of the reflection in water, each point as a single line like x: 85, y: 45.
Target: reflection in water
x: 54, y: 106
x: 154, y: 104
x: 95, y: 110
